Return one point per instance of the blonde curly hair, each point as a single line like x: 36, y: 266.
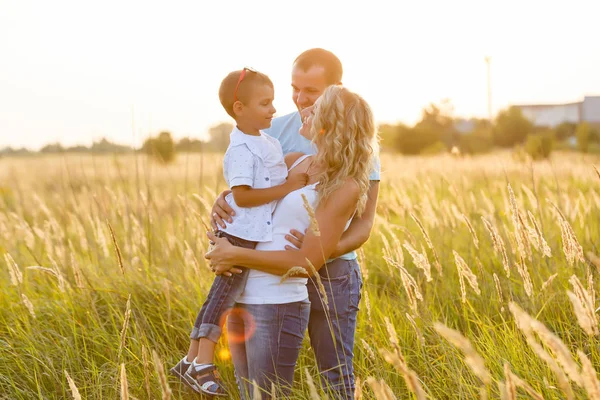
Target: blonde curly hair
x: 345, y: 134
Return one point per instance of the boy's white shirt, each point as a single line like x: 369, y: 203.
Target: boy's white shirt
x: 246, y: 163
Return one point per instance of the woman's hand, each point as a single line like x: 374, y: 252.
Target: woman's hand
x: 220, y: 256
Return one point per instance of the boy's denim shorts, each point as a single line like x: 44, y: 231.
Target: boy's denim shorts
x: 223, y: 293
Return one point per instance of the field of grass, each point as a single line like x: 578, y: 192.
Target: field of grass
x: 102, y: 274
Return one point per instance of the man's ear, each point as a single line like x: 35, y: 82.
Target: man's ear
x: 238, y: 107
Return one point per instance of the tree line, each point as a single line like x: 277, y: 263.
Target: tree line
x: 437, y: 131
x: 162, y: 146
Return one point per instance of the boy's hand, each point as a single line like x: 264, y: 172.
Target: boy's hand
x: 221, y: 211
x: 297, y: 181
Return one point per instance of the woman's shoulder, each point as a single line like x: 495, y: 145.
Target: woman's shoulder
x: 291, y: 158
x: 350, y: 188
x: 347, y: 194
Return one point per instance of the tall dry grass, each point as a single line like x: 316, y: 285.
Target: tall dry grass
x: 102, y: 272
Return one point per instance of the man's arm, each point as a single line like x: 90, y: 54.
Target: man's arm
x: 221, y: 212
x: 360, y: 228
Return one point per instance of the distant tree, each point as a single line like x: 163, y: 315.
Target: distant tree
x: 161, y: 147
x: 410, y: 140
x: 436, y: 125
x: 388, y: 135
x: 565, y: 130
x: 9, y: 151
x: 219, y: 136
x: 52, y: 148
x: 106, y: 146
x: 595, y: 134
x: 77, y: 149
x: 190, y: 145
x: 583, y: 134
x: 539, y: 145
x: 511, y: 127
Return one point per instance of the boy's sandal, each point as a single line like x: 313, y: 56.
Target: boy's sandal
x: 208, y: 381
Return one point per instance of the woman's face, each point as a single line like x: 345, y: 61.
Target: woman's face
x: 307, y: 116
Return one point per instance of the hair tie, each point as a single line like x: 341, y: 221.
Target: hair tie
x: 322, y: 131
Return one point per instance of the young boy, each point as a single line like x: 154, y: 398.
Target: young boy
x: 256, y: 172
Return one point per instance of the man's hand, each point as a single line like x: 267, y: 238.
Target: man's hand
x: 221, y: 211
x: 296, y: 238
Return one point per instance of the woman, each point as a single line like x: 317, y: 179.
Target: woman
x: 267, y: 329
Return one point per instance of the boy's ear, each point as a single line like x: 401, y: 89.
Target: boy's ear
x: 238, y: 107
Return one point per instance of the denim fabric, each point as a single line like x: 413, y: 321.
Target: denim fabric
x: 332, y: 327
x: 265, y: 340
x: 223, y: 294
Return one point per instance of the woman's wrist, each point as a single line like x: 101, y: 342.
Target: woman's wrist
x: 234, y: 255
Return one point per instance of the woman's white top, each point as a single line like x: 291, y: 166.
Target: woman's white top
x: 255, y: 161
x: 265, y: 288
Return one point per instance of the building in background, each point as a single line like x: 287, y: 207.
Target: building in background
x: 552, y: 115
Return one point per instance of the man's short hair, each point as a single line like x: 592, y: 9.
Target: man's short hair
x: 323, y: 58
x: 244, y: 92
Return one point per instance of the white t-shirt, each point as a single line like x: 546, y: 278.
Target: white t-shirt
x: 255, y: 161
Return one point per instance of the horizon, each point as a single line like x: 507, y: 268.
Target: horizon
x: 125, y: 71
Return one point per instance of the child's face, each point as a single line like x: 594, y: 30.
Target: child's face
x: 258, y: 112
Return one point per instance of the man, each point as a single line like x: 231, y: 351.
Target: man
x: 331, y: 329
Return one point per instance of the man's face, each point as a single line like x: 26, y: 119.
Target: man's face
x: 307, y: 85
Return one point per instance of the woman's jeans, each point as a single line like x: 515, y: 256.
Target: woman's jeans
x: 265, y: 340
x: 332, y: 328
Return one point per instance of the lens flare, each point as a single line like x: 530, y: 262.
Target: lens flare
x: 224, y: 354
x: 243, y: 333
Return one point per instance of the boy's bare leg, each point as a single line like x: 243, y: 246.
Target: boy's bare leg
x: 193, y: 350
x: 203, y: 350
x: 206, y: 351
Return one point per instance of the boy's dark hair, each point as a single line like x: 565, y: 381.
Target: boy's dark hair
x: 244, y: 91
x: 324, y: 58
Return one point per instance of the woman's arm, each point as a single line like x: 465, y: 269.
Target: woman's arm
x: 332, y: 216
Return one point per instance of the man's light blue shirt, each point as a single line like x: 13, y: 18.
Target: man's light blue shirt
x: 286, y: 129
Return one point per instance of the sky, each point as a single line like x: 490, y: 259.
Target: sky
x: 76, y: 71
